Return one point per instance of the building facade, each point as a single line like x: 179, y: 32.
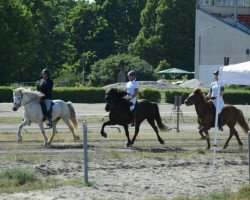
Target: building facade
x: 220, y: 32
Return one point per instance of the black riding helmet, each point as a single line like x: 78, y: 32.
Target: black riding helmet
x: 132, y: 73
x: 216, y: 72
x: 46, y: 70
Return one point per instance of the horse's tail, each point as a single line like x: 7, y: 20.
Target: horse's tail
x: 158, y: 118
x: 242, y: 122
x: 72, y: 114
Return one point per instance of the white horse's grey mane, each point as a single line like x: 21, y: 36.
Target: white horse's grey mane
x: 35, y: 95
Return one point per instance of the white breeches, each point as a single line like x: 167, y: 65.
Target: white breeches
x: 221, y: 104
x: 133, y: 100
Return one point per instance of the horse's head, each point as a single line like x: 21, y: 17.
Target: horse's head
x: 112, y: 97
x: 195, y: 97
x: 22, y: 96
x: 17, y: 99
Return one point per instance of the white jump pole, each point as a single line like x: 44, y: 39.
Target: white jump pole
x: 85, y: 151
x: 216, y: 125
x: 248, y: 136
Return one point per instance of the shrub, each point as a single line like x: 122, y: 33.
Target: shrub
x: 151, y: 95
x: 105, y: 71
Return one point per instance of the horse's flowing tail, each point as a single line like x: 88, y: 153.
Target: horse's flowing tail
x: 158, y: 118
x: 72, y: 114
x: 242, y: 122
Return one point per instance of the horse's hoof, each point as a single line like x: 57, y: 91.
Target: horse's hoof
x: 103, y: 134
x: 162, y: 141
x: 77, y: 138
x: 128, y: 145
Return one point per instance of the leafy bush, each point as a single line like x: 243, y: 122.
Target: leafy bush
x: 6, y: 94
x: 105, y: 71
x: 151, y: 95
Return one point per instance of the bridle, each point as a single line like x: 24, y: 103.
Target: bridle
x: 20, y: 102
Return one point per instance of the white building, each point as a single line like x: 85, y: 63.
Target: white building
x: 222, y: 30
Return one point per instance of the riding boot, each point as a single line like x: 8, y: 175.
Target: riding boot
x: 49, y: 114
x: 220, y: 122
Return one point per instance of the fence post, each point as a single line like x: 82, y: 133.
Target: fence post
x: 85, y: 152
x: 177, y: 103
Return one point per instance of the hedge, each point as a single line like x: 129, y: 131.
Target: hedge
x: 150, y: 94
x: 231, y: 96
x: 96, y: 95
x: 80, y: 95
x: 74, y: 94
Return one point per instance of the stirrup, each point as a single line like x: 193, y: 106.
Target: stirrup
x: 132, y: 124
x: 49, y: 124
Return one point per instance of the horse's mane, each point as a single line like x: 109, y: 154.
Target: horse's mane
x: 200, y: 93
x: 116, y: 92
x: 35, y: 95
x: 120, y: 94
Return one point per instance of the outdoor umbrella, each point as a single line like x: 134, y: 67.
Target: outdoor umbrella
x: 174, y: 72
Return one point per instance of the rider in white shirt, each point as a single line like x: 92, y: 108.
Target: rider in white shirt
x: 213, y: 96
x: 132, y: 88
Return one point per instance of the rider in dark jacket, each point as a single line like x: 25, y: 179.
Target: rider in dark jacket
x: 45, y: 86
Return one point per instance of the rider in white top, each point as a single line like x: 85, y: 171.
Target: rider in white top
x: 132, y: 88
x: 213, y: 95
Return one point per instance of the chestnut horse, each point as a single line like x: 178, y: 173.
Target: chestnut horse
x: 119, y: 113
x: 206, y: 116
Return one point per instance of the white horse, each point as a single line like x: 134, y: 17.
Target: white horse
x: 33, y: 112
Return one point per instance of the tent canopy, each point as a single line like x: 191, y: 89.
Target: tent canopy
x: 174, y: 71
x: 238, y: 74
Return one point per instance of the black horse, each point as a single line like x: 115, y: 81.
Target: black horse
x: 120, y: 114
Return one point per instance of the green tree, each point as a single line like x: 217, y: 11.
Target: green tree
x: 54, y: 47
x: 167, y: 33
x: 90, y: 33
x: 123, y: 18
x: 18, y: 40
x: 105, y: 71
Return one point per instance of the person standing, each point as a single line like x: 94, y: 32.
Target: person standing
x: 132, y: 88
x: 213, y: 96
x: 46, y: 86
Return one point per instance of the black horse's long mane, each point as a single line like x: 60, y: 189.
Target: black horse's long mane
x: 118, y: 95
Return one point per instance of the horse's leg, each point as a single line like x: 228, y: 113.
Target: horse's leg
x: 137, y: 128
x: 103, y: 126
x: 43, y: 132
x: 238, y: 138
x: 152, y: 123
x: 233, y: 132
x: 54, y: 131
x: 203, y: 137
x: 19, y: 132
x: 207, y: 137
x: 203, y: 129
x: 127, y: 134
x: 67, y: 122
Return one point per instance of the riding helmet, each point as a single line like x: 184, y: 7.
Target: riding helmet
x: 216, y: 72
x: 132, y: 73
x: 46, y: 70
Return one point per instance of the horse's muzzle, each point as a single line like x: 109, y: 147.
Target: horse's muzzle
x: 108, y: 107
x: 15, y: 107
x: 187, y: 103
